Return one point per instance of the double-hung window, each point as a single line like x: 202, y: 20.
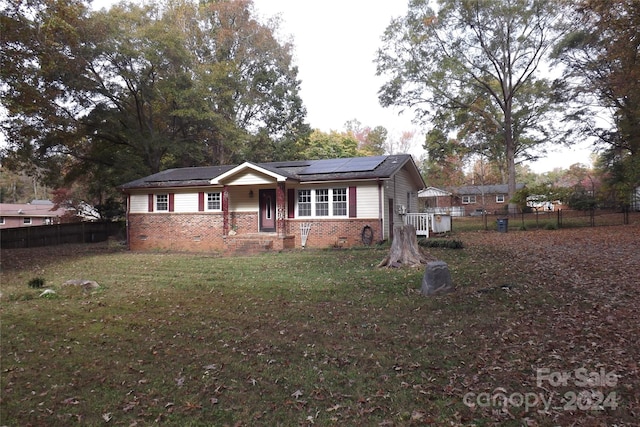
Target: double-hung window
x: 499, y: 198
x: 322, y: 202
x: 468, y: 200
x: 214, y: 201
x: 339, y: 202
x: 304, y: 202
x: 162, y: 202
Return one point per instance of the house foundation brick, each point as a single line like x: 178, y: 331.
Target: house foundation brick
x: 176, y: 232
x: 327, y: 233
x: 202, y: 233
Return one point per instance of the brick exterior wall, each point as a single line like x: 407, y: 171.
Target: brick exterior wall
x: 176, y: 232
x: 243, y: 222
x: 325, y: 233
x: 202, y: 232
x: 490, y: 205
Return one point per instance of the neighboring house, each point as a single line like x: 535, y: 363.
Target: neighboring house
x: 345, y: 202
x: 38, y: 212
x: 470, y: 199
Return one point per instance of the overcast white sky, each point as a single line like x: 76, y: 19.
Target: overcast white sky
x: 335, y: 44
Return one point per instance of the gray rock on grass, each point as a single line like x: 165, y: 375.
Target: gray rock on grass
x: 87, y: 285
x: 436, y: 279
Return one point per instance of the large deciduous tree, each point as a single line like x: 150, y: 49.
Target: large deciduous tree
x: 602, y: 54
x: 371, y: 142
x: 43, y: 46
x: 116, y: 94
x: 473, y: 65
x: 445, y: 160
x: 321, y: 145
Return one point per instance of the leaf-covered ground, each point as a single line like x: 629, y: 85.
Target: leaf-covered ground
x: 574, y: 316
x: 542, y: 330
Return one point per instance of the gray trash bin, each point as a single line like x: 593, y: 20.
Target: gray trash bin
x: 503, y: 225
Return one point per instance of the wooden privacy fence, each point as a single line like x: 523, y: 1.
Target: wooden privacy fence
x: 58, y: 234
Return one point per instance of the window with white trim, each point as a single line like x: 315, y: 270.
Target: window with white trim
x: 466, y: 200
x: 1, y: 220
x: 304, y: 202
x: 322, y: 202
x: 26, y: 220
x: 339, y: 202
x: 499, y: 198
x: 214, y: 201
x: 162, y: 202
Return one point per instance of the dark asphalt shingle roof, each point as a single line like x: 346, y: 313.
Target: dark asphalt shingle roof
x: 201, y: 176
x: 483, y: 189
x: 182, y: 177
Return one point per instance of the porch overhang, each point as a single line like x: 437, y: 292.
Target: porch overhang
x: 243, y: 168
x: 432, y: 192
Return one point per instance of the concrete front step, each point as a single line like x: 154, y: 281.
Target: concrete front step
x: 255, y: 243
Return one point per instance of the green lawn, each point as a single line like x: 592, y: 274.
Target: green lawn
x: 320, y: 337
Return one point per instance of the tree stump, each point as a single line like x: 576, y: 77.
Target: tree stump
x: 404, y: 251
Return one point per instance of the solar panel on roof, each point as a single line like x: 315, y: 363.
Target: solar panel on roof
x: 323, y: 166
x: 292, y: 164
x: 357, y: 164
x: 361, y: 164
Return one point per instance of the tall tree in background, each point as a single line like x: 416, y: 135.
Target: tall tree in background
x: 43, y: 84
x: 474, y: 63
x: 602, y: 54
x: 371, y: 142
x: 257, y: 80
x: 445, y: 160
x: 401, y: 144
x: 113, y: 95
x: 332, y: 145
x: 377, y: 141
x: 211, y: 83
x: 485, y: 172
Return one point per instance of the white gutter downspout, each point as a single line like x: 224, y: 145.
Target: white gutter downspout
x: 380, y: 209
x: 126, y: 222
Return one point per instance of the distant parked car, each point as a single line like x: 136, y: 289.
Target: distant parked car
x: 478, y: 212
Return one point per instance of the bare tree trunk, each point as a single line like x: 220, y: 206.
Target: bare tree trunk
x: 404, y: 251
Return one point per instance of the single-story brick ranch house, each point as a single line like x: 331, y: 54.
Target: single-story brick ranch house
x: 466, y: 200
x: 344, y: 202
x: 38, y: 212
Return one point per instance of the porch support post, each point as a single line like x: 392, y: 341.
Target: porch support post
x: 225, y: 210
x: 281, y: 209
